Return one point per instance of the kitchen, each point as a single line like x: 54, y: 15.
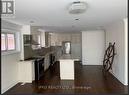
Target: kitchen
x: 46, y: 47
x: 39, y: 57
x: 62, y: 43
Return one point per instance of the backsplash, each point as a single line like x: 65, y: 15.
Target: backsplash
x: 43, y: 50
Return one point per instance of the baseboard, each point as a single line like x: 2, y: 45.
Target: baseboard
x: 7, y: 88
x: 92, y: 64
x: 117, y: 78
x: 26, y: 81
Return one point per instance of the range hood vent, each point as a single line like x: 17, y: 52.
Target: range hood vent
x: 34, y: 42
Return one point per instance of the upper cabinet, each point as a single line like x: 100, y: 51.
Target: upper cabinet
x: 43, y: 39
x: 54, y: 39
x: 47, y: 39
x: 58, y: 38
x: 36, y: 39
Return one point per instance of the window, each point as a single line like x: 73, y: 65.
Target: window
x: 8, y: 41
x: 11, y: 41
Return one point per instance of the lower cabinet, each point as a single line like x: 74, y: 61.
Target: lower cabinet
x: 26, y: 71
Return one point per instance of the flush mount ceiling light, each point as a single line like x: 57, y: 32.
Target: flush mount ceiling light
x: 77, y: 7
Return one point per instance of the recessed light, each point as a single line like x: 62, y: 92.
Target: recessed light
x: 31, y: 21
x: 77, y: 19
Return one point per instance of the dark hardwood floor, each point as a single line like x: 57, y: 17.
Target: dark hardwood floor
x: 88, y: 79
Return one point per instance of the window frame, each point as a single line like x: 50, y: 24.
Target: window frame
x: 14, y: 42
x: 6, y: 42
x: 18, y: 36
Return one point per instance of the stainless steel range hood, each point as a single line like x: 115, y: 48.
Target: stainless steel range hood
x: 34, y: 42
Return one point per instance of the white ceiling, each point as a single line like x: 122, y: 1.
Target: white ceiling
x: 53, y: 15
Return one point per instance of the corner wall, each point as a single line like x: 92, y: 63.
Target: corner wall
x: 115, y: 32
x: 9, y: 62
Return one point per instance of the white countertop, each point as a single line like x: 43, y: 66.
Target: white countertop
x: 68, y: 57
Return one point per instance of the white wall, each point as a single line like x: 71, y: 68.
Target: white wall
x: 116, y: 32
x: 9, y: 71
x: 9, y: 62
x: 93, y: 47
x: 126, y: 50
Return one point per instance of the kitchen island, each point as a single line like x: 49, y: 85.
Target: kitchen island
x: 67, y: 70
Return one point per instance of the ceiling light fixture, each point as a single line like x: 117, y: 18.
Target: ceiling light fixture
x: 77, y: 7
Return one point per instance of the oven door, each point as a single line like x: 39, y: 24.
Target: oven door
x: 39, y: 68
